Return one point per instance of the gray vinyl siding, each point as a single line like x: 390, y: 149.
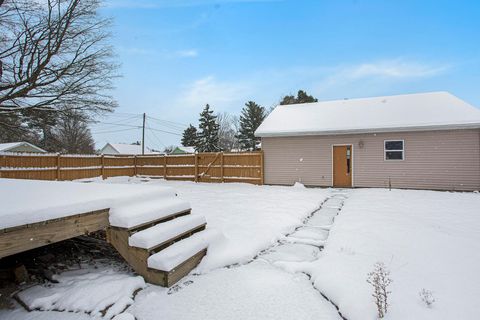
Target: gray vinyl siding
x: 442, y: 160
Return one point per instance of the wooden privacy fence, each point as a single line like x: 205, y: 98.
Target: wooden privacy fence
x: 200, y: 167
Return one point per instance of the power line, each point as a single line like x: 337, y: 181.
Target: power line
x: 121, y: 130
x: 151, y: 134
x: 127, y: 120
x: 168, y: 122
x: 155, y: 136
x: 124, y: 113
x: 164, y: 131
x: 119, y: 124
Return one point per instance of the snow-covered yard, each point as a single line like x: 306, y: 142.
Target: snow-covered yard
x: 251, y: 218
x: 427, y: 240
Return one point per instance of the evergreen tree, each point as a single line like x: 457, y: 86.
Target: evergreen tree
x: 189, y: 138
x: 302, y: 97
x: 208, y: 135
x: 250, y: 119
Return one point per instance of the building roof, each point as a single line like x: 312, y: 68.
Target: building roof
x: 186, y: 149
x: 409, y: 112
x: 124, y: 148
x: 6, y: 147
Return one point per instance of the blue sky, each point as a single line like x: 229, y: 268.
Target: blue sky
x: 177, y: 56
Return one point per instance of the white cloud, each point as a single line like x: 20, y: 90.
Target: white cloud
x: 220, y: 94
x: 382, y: 73
x: 191, y: 53
x: 396, y: 68
x: 268, y: 86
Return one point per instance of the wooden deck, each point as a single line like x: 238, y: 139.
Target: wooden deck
x: 30, y: 236
x: 22, y: 238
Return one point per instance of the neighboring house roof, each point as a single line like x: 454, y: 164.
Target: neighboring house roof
x: 184, y: 149
x: 11, y: 146
x: 409, y: 112
x: 124, y: 148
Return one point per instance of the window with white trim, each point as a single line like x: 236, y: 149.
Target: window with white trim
x: 394, y: 149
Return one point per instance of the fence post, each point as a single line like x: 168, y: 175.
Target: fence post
x: 58, y: 166
x: 3, y: 164
x: 221, y: 166
x: 103, y: 167
x: 165, y: 167
x: 135, y: 165
x: 196, y: 167
x: 262, y: 169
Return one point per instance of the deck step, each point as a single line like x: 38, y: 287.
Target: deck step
x: 165, y: 232
x: 173, y: 256
x: 137, y: 215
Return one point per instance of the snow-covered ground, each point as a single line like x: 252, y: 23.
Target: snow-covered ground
x: 427, y: 240
x: 251, y: 218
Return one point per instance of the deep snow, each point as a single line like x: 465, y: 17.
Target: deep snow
x: 252, y: 218
x: 30, y: 201
x: 427, y: 239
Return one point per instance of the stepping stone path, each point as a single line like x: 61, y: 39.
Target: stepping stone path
x: 306, y: 242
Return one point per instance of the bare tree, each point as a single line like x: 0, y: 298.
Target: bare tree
x: 55, y: 53
x: 227, y: 133
x: 73, y: 135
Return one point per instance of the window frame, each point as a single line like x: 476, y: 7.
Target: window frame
x: 385, y: 150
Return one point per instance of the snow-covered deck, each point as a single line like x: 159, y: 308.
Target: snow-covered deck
x: 36, y: 213
x: 31, y: 201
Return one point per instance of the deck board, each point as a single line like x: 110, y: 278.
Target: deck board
x: 22, y: 238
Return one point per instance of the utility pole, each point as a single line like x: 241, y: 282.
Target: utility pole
x: 143, y: 134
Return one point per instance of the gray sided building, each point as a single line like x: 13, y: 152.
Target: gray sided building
x: 417, y: 141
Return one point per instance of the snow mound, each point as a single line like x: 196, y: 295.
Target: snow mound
x: 298, y: 185
x: 84, y: 291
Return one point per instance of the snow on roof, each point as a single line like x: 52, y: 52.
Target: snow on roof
x: 4, y: 147
x: 187, y: 149
x: 125, y: 148
x: 409, y: 112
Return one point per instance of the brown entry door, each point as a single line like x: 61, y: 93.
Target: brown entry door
x: 342, y: 166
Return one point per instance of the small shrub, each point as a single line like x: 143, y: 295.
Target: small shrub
x: 379, y: 278
x: 427, y: 297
